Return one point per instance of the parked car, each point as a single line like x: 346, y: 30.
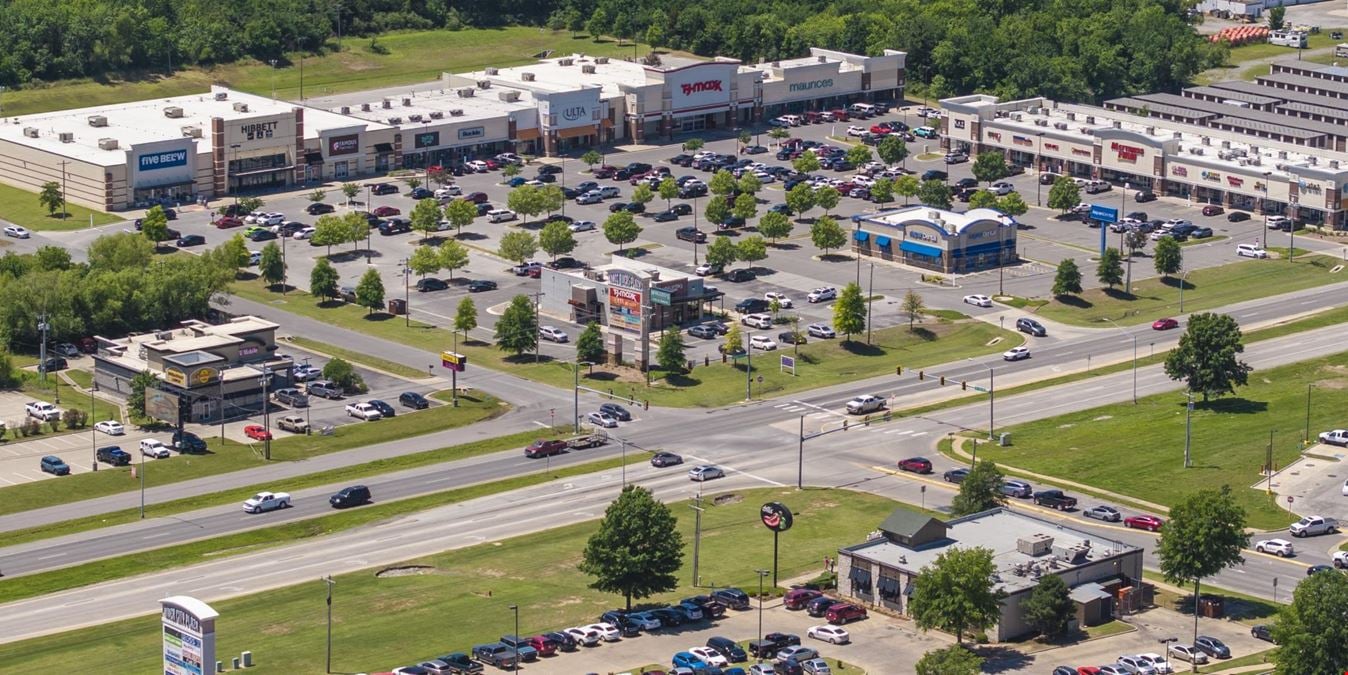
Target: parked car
x: 798, y: 598
x: 727, y: 648
x: 822, y: 294
x: 1262, y: 631
x: 1212, y: 210
x: 1108, y: 514
x: 821, y: 330
x: 295, y: 424
x: 190, y: 240
x: 324, y: 389
x: 915, y: 465
x: 1017, y: 488
x: 1237, y: 216
x: 186, y: 441
x: 153, y: 447
x: 110, y: 427
x: 1188, y: 653
x: 831, y: 634
x: 480, y: 285
x: 257, y: 432
x: 363, y: 411
x: 845, y: 612
x: 113, y: 455
x: 1335, y: 437
x: 1031, y: 327
x: 1213, y: 647
x: 1250, y: 251
x: 55, y: 466
x: 291, y: 397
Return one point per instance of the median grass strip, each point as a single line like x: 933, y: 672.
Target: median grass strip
x: 22, y: 208
x: 351, y: 473
x: 463, y: 598
x: 360, y: 358
x: 1139, y: 449
x: 191, y: 553
x: 231, y: 456
x: 820, y: 363
x: 1207, y: 288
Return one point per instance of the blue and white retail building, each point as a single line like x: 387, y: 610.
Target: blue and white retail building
x: 936, y: 239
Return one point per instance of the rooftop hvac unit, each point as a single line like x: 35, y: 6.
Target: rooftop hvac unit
x: 1041, y: 122
x: 414, y: 118
x: 1177, y: 135
x: 456, y: 112
x: 191, y: 131
x: 436, y: 115
x: 30, y: 132
x: 509, y: 96
x: 176, y: 112
x: 1090, y: 119
x: 1313, y: 160
x: 1282, y: 154
x: 1118, y: 124
x: 346, y: 110
x: 107, y: 144
x: 1151, y: 131
x: 1333, y: 163
x: 1019, y: 117
x: 1060, y: 126
x: 365, y: 107
x: 587, y: 68
x: 1224, y: 155
x: 527, y: 77
x: 466, y: 92
x: 98, y: 121
x: 1196, y: 151
x: 386, y: 104
x: 565, y: 62
x: 407, y: 102
x: 1072, y: 116
x: 492, y: 71
x: 484, y: 84
x: 1207, y: 140
x: 1255, y: 161
x: 221, y: 95
x: 1243, y: 161
x: 395, y: 121
x: 601, y: 59
x: 67, y: 137
x: 1086, y: 130
x: 1226, y: 144
x: 1035, y: 545
x: 240, y: 106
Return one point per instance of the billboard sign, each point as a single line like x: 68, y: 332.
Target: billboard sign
x: 453, y: 361
x: 775, y: 516
x: 624, y: 308
x: 162, y: 160
x: 162, y: 406
x: 344, y: 145
x: 1104, y: 214
x: 188, y: 627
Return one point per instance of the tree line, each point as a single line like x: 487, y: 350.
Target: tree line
x: 1074, y: 51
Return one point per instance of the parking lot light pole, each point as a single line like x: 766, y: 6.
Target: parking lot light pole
x: 266, y: 415
x: 761, y: 574
x: 93, y: 436
x: 870, y: 300
x: 1188, y: 428
x: 407, y: 279
x: 1182, y: 285
x: 516, y: 665
x: 329, y: 582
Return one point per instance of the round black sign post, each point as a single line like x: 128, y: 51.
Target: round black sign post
x: 776, y: 517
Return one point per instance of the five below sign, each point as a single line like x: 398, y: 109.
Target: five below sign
x: 697, y: 87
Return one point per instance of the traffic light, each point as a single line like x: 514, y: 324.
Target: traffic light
x: 921, y: 375
x: 964, y: 386
x: 943, y: 380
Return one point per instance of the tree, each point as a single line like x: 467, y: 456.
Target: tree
x: 343, y: 375
x: 518, y: 246
x: 510, y: 170
x: 882, y: 190
x: 952, y: 660
x: 453, y: 256
x: 722, y: 183
x: 323, y: 280
x: 807, y: 162
x: 827, y: 234
x: 907, y: 186
x: 734, y: 340
x: 328, y: 230
x: 746, y: 207
x: 990, y: 166
x: 722, y: 252
x: 233, y: 253
x: 270, y: 265
x: 154, y: 226
x: 751, y: 250
x: 1110, y: 270
x: 251, y: 204
x: 1205, y: 357
x: 1049, y: 609
x: 598, y: 23
x: 693, y: 144
x: 426, y: 217
x: 460, y: 212
x: 350, y: 190
x: 517, y: 329
x: 642, y: 194
x: 621, y: 229
x: 424, y: 260
x: 849, y: 312
x: 669, y: 189
x: 1067, y: 280
x: 370, y: 291
x: 52, y: 258
x: 955, y: 594
x: 317, y: 196
x: 1168, y: 257
x: 717, y: 211
x: 637, y: 551
x: 139, y: 383
x: 827, y: 198
x: 465, y: 316
x: 774, y: 225
x: 934, y: 193
x: 556, y: 238
x: 1064, y: 195
x: 800, y: 199
x: 913, y: 307
x: 355, y: 227
x: 1311, y: 635
x: 413, y: 181
x: 51, y: 197
x: 437, y: 174
x: 1012, y: 204
x: 552, y: 198
x: 670, y: 352
x: 1204, y: 536
x: 526, y: 201
x: 590, y: 344
x: 750, y: 184
x: 982, y: 199
x: 591, y: 158
x: 779, y: 134
x: 1276, y: 17
x: 1135, y: 240
x: 981, y: 490
x: 858, y: 155
x: 892, y: 149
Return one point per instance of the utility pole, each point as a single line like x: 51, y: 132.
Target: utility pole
x: 1188, y: 426
x: 1268, y: 464
x: 63, y: 190
x: 407, y: 279
x: 329, y: 582
x: 800, y: 457
x: 538, y: 298
x: 42, y: 349
x: 697, y: 533
x: 870, y: 302
x: 93, y: 437
x: 1307, y: 440
x: 749, y: 369
x: 266, y: 415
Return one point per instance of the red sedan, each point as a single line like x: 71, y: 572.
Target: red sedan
x: 386, y: 211
x: 226, y: 222
x: 256, y: 432
x: 1164, y: 324
x: 879, y: 130
x: 1149, y: 523
x: 915, y: 465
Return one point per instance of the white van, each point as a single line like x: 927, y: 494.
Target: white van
x: 500, y: 215
x: 862, y: 109
x: 793, y: 120
x: 1250, y: 251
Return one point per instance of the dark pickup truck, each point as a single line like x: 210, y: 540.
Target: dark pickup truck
x: 1055, y: 499
x: 545, y: 448
x: 496, y: 654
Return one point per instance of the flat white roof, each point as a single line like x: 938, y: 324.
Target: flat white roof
x: 953, y: 221
x: 550, y: 76
x: 483, y: 104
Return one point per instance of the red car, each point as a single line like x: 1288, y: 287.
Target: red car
x: 915, y: 465
x: 1164, y: 324
x: 845, y: 612
x: 256, y: 432
x: 544, y: 448
x: 1212, y: 210
x: 545, y: 646
x: 1150, y: 523
x: 477, y: 198
x: 879, y: 130
x: 386, y: 211
x: 225, y: 222
x: 797, y: 598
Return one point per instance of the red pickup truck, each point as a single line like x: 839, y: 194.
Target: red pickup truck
x: 545, y: 448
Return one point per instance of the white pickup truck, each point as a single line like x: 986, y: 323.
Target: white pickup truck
x: 1335, y: 437
x: 865, y: 403
x: 42, y: 410
x: 1313, y: 525
x: 266, y: 501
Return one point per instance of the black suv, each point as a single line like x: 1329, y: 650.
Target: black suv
x: 113, y: 455
x: 411, y: 399
x: 186, y: 441
x: 819, y: 606
x: 1026, y: 325
x: 732, y: 597
x: 384, y: 189
x: 354, y: 495
x: 740, y: 274
x: 752, y: 306
x: 728, y: 648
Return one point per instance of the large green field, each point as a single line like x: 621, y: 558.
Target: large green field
x: 1207, y: 288
x: 401, y: 58
x: 821, y: 362
x: 1139, y: 449
x: 463, y: 599
x: 22, y: 208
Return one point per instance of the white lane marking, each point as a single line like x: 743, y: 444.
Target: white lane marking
x: 920, y: 433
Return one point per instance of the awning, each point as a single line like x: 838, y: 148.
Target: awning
x: 862, y: 236
x: 887, y: 586
x: 979, y: 249
x: 911, y: 246
x: 383, y: 147
x: 527, y: 134
x: 576, y: 132
x: 313, y: 158
x: 882, y: 242
x: 860, y: 575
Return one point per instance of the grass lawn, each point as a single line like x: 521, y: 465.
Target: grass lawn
x: 820, y: 363
x: 22, y: 208
x: 83, y: 378
x: 1107, y: 629
x: 232, y: 456
x: 360, y: 358
x: 463, y: 600
x: 1264, y: 50
x: 411, y: 56
x: 204, y: 550
x: 68, y: 398
x: 1206, y: 289
x: 1246, y: 609
x: 1102, y: 446
x: 1205, y: 240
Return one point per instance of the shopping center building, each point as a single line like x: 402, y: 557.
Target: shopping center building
x: 1276, y: 146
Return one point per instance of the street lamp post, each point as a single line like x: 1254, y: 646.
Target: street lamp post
x: 266, y: 415
x: 1263, y: 207
x: 329, y: 582
x: 515, y: 666
x: 407, y: 280
x: 1183, y: 283
x: 991, y: 389
x: 1134, y: 339
x: 870, y: 300
x: 1188, y: 427
x: 93, y: 437
x: 761, y: 575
